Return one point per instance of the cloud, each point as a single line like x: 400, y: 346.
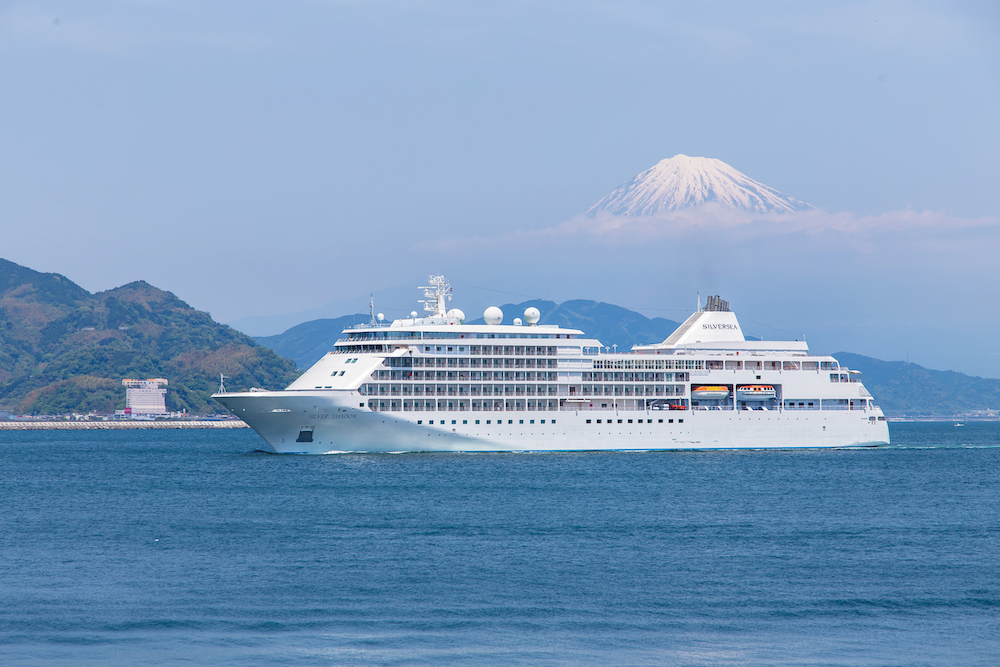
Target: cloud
x: 713, y: 220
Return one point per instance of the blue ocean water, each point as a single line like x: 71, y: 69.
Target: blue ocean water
x: 189, y: 547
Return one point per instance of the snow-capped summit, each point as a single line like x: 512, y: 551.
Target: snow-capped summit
x: 682, y: 182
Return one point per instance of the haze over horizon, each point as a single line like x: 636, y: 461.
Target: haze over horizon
x: 286, y: 156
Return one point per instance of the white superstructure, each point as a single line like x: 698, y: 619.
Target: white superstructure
x: 435, y: 383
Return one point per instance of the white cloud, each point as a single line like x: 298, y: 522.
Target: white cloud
x: 712, y: 219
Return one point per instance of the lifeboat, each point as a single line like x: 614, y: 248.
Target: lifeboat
x: 709, y: 391
x: 755, y: 392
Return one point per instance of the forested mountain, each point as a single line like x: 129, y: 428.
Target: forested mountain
x: 63, y: 349
x: 903, y: 389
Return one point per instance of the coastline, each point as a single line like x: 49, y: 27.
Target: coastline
x: 116, y: 425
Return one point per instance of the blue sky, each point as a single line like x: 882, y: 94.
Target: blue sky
x: 259, y: 158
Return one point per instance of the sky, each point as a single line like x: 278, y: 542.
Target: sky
x: 281, y: 160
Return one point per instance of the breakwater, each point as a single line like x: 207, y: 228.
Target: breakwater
x: 116, y: 425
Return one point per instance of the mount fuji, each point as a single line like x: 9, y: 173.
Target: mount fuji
x: 683, y: 182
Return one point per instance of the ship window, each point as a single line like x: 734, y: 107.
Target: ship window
x: 465, y: 421
x: 452, y: 421
x: 361, y: 405
x: 305, y: 436
x: 588, y: 421
x: 510, y: 421
x: 661, y: 421
x: 680, y: 421
x: 543, y: 421
x: 553, y: 421
x: 670, y: 421
x: 598, y: 421
x: 530, y: 422
x: 521, y: 421
x: 487, y: 421
x: 420, y: 421
x: 620, y: 421
x: 477, y: 421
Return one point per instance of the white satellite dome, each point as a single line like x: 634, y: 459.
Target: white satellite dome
x: 531, y: 315
x: 413, y: 314
x: 493, y: 315
x: 517, y: 322
x: 457, y: 314
x: 380, y: 317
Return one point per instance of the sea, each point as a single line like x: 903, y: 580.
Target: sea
x: 195, y: 548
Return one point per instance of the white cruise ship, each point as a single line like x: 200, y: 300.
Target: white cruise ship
x: 434, y: 383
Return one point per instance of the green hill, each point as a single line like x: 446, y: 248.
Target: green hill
x: 907, y: 390
x: 63, y: 349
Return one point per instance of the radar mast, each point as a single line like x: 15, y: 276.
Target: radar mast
x: 436, y: 295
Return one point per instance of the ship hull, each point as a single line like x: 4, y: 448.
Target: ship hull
x: 325, y: 422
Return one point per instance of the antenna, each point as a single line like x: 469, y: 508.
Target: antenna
x: 699, y: 302
x: 222, y: 383
x: 371, y: 309
x: 436, y: 295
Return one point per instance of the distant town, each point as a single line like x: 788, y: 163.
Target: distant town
x: 145, y: 401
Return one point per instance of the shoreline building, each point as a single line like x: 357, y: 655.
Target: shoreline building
x: 145, y: 397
